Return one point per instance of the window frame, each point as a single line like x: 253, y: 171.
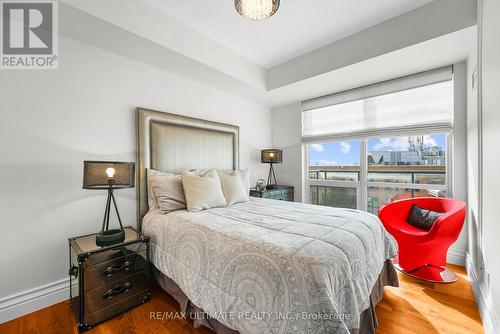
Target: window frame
x: 363, y: 184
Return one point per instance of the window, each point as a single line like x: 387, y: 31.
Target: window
x: 336, y: 161
x: 376, y: 144
x: 334, y: 173
x: 393, y: 168
x: 403, y: 167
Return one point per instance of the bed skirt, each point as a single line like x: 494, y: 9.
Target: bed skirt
x: 368, y: 321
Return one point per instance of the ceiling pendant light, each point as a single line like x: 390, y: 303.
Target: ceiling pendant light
x: 256, y: 9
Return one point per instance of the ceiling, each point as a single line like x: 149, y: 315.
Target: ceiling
x: 297, y: 28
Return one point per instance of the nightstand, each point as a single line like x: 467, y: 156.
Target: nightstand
x: 282, y: 193
x: 107, y: 281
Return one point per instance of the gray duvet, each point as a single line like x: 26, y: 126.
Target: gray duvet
x: 269, y: 266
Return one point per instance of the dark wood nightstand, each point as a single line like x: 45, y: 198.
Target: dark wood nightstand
x: 282, y: 193
x: 107, y: 281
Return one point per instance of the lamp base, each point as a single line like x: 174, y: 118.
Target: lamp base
x: 271, y: 178
x: 109, y: 237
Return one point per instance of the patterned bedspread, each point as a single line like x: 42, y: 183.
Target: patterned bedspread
x: 269, y: 266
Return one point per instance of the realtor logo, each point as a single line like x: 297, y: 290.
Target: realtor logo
x: 29, y: 34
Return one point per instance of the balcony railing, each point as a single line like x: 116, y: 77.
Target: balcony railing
x: 380, y: 174
x: 385, y: 184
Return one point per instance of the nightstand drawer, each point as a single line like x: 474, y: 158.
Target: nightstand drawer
x: 115, y: 309
x: 114, y: 253
x: 118, y: 268
x: 275, y: 194
x: 255, y: 193
x: 282, y: 193
x: 112, y: 299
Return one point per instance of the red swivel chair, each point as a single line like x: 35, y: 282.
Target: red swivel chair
x: 422, y: 254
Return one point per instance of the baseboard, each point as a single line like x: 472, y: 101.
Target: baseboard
x: 488, y: 314
x: 28, y: 301
x: 456, y: 256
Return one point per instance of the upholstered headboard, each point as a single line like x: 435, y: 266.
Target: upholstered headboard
x: 170, y: 143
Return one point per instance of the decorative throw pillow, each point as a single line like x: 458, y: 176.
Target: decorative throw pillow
x: 168, y: 192
x: 152, y: 202
x: 233, y: 188
x: 202, y: 192
x: 422, y: 218
x: 244, y: 174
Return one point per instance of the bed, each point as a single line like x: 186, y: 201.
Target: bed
x: 263, y: 266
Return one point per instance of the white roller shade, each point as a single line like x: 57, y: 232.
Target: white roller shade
x: 405, y: 104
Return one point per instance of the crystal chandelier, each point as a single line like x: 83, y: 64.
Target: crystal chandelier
x: 256, y: 9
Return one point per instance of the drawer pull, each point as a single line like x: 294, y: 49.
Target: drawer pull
x: 117, y: 291
x: 73, y: 271
x: 111, y: 270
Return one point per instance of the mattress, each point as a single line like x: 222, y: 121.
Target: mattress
x: 269, y: 266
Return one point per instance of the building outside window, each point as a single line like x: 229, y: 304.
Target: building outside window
x: 405, y: 167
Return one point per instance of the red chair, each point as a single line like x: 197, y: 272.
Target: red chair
x: 422, y: 254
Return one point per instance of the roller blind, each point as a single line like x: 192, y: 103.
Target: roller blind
x: 423, y: 101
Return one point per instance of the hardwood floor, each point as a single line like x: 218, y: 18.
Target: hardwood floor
x: 414, y: 307
x: 417, y: 307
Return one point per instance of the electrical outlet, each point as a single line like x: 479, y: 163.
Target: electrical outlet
x: 480, y: 267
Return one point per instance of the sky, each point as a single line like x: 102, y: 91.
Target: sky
x: 346, y: 153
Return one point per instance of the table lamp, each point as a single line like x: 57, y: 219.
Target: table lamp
x: 109, y: 175
x: 271, y: 156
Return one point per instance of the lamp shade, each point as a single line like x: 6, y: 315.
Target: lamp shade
x: 271, y: 156
x: 106, y: 174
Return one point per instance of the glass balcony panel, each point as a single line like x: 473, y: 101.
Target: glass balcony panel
x: 405, y: 177
x: 431, y: 178
x: 334, y: 196
x: 378, y: 196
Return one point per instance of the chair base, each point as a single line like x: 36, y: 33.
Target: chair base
x: 430, y: 274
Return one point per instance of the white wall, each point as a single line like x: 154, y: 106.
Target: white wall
x: 472, y: 147
x: 286, y: 134
x: 459, y: 249
x: 490, y: 111
x: 50, y: 121
x: 473, y: 186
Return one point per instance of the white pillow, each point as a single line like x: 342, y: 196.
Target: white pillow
x: 202, y: 192
x: 244, y: 174
x: 152, y: 202
x: 169, y: 192
x: 233, y: 188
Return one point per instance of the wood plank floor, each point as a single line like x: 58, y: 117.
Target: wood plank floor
x: 414, y: 307
x: 417, y: 307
